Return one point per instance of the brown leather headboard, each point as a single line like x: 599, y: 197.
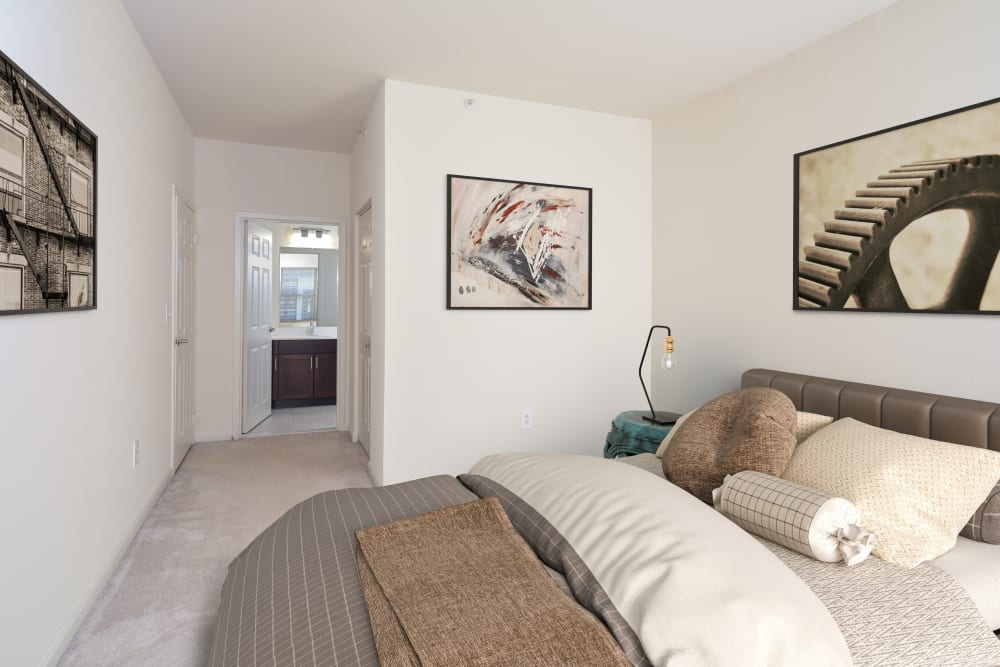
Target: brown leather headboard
x: 959, y: 420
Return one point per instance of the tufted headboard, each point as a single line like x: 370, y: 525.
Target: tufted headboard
x: 959, y: 420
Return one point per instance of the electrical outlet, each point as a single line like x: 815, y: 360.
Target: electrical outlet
x: 527, y: 418
x: 135, y: 453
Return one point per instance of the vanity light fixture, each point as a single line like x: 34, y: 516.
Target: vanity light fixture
x: 666, y: 362
x: 305, y: 233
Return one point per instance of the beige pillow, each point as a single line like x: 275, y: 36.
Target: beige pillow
x: 915, y: 493
x: 750, y: 429
x: 806, y: 423
x: 666, y: 441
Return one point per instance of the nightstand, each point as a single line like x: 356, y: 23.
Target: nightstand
x: 630, y: 434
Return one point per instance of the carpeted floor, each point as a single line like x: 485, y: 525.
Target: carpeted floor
x: 160, y: 605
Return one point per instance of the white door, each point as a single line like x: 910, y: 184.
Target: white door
x: 261, y: 257
x: 365, y: 330
x: 183, y: 332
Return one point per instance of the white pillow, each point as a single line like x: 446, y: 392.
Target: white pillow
x: 811, y: 522
x: 806, y: 424
x: 915, y: 493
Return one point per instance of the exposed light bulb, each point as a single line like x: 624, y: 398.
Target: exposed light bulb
x: 667, y: 361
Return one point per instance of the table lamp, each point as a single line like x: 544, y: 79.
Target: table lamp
x: 666, y: 362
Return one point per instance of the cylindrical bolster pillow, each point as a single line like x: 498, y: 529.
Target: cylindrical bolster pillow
x: 810, y: 522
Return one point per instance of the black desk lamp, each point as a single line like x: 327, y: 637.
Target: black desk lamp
x: 662, y: 418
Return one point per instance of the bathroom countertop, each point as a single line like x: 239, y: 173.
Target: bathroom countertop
x: 299, y: 333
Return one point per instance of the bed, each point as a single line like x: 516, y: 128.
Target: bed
x: 668, y: 578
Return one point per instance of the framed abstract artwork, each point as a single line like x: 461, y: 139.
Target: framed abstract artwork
x: 48, y: 201
x: 518, y: 245
x: 902, y: 220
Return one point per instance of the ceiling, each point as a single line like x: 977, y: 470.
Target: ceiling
x: 303, y: 73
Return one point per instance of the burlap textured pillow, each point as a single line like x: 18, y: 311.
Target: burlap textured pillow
x: 984, y: 526
x: 750, y: 429
x: 806, y: 423
x: 915, y: 493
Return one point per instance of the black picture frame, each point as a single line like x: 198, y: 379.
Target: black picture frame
x: 892, y: 221
x: 48, y: 201
x: 518, y: 245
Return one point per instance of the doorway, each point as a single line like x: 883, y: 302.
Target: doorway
x: 291, y: 291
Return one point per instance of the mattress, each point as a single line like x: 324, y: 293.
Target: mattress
x: 976, y: 566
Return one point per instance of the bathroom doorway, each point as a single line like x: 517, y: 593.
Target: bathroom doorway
x: 291, y: 295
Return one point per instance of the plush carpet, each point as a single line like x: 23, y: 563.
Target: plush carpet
x: 159, y: 607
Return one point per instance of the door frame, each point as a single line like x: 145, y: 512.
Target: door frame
x: 345, y: 287
x: 175, y: 196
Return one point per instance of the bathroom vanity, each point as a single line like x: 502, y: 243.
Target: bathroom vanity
x: 304, y: 371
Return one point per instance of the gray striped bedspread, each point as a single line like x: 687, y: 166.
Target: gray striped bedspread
x: 294, y: 595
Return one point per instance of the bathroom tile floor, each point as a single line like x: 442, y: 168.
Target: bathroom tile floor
x: 297, y: 420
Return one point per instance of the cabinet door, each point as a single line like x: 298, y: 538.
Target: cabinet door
x: 325, y: 376
x: 295, y: 376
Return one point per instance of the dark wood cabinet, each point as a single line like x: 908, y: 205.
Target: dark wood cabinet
x: 304, y: 372
x: 325, y: 375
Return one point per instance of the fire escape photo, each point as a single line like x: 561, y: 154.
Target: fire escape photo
x: 48, y: 231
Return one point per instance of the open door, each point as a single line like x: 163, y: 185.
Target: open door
x: 183, y: 331
x: 365, y: 330
x: 257, y: 359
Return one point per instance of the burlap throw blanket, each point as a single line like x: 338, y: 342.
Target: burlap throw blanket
x: 459, y: 586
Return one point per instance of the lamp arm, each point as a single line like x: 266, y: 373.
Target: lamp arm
x: 642, y: 362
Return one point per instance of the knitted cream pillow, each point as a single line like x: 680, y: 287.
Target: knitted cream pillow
x: 915, y: 494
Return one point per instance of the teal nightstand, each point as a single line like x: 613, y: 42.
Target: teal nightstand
x: 630, y: 434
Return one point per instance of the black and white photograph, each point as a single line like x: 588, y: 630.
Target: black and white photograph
x: 48, y: 230
x: 902, y: 220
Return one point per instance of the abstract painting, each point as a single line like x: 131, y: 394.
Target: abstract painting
x: 48, y: 201
x: 516, y: 244
x: 902, y: 220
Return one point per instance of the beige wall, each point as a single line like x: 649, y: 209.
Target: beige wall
x: 77, y: 388
x: 236, y: 178
x: 455, y: 381
x: 722, y: 232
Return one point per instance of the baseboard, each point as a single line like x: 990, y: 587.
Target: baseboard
x: 55, y: 653
x: 209, y: 438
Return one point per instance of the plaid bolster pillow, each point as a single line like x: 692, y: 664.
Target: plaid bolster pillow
x: 813, y: 523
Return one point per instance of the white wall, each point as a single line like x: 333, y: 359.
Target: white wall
x: 455, y: 381
x: 236, y: 178
x: 368, y: 186
x: 723, y: 192
x: 79, y: 387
